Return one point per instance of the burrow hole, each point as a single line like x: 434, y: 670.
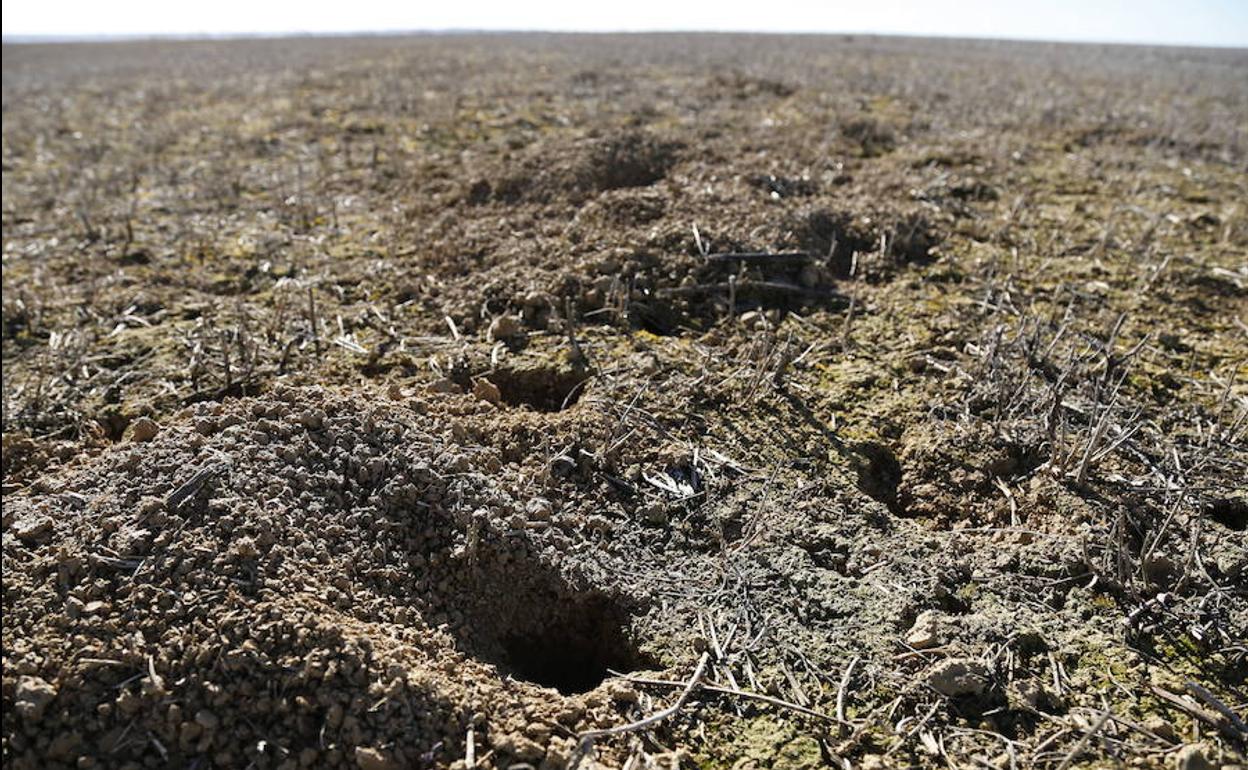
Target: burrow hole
x: 573, y: 653
x: 879, y: 474
x: 544, y: 388
x: 1232, y: 514
x: 519, y: 615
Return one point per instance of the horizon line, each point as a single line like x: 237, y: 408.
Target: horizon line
x: 139, y: 37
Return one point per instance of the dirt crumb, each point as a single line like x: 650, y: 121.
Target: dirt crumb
x: 957, y: 677
x: 33, y: 697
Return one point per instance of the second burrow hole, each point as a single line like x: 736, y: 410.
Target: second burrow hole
x: 543, y: 388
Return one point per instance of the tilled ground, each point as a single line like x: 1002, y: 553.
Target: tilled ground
x: 443, y: 401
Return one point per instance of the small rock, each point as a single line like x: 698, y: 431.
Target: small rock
x: 1161, y: 727
x: 873, y: 762
x: 129, y: 702
x: 751, y: 318
x: 487, y: 391
x: 73, y: 607
x: 1158, y: 568
x: 33, y: 529
x: 445, y: 385
x: 246, y: 548
x: 958, y: 676
x: 143, y: 429
x: 63, y: 746
x: 558, y: 753
x: 96, y: 606
x: 538, y: 731
x: 621, y: 692
x: 369, y: 758
x: 570, y: 714
x: 534, y: 302
x: 1026, y: 695
x: 654, y: 514
x: 925, y: 633
x: 520, y: 747
x: 334, y: 715
x: 599, y: 524
x: 1233, y: 564
x: 190, y: 730
x: 562, y: 466
x: 538, y: 508
x: 32, y: 697
x: 1193, y: 757
x: 11, y: 512
x: 312, y: 419
x: 503, y: 328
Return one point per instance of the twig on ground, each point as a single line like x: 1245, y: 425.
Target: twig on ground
x: 1079, y: 747
x: 737, y: 692
x: 1212, y: 701
x: 840, y: 691
x: 192, y: 485
x: 578, y: 354
x: 313, y: 321
x: 586, y: 739
x: 1192, y: 709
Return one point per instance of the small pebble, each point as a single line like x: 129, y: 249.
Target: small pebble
x: 369, y: 758
x: 487, y: 391
x: 958, y: 676
x: 143, y: 429
x: 925, y: 633
x: 33, y: 529
x: 32, y: 697
x: 445, y: 385
x: 503, y: 328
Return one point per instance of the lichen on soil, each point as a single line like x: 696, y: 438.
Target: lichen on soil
x: 434, y: 402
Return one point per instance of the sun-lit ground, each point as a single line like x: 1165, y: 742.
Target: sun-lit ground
x: 440, y: 401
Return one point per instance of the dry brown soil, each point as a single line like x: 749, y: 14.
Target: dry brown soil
x: 435, y: 401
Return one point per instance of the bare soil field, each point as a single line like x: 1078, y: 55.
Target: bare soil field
x: 664, y: 401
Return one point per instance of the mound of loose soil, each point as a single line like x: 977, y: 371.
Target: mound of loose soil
x: 587, y: 167
x: 302, y: 579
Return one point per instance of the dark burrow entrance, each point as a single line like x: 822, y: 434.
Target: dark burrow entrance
x: 542, y: 387
x: 575, y: 653
x: 1230, y: 513
x: 516, y: 612
x: 879, y: 474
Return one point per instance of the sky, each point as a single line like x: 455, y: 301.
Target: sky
x: 1177, y: 22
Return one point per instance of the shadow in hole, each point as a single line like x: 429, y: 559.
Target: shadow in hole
x: 879, y: 474
x: 519, y: 614
x: 1230, y: 513
x: 574, y: 654
x: 543, y: 388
